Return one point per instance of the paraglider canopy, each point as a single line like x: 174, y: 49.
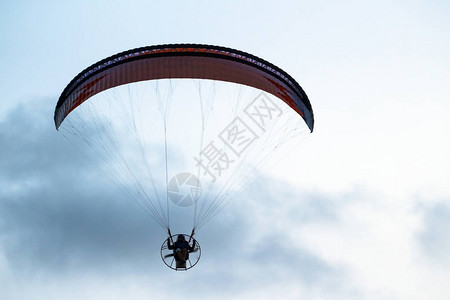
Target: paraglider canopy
x: 183, y: 61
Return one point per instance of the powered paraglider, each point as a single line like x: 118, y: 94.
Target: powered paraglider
x: 182, y: 128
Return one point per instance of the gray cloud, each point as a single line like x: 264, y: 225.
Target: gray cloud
x: 435, y: 237
x: 61, y: 217
x: 54, y: 216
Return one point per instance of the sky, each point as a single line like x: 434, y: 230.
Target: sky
x: 359, y: 210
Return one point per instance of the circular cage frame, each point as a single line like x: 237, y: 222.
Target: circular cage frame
x: 170, y: 261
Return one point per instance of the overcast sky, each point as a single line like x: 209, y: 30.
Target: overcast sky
x: 359, y: 210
